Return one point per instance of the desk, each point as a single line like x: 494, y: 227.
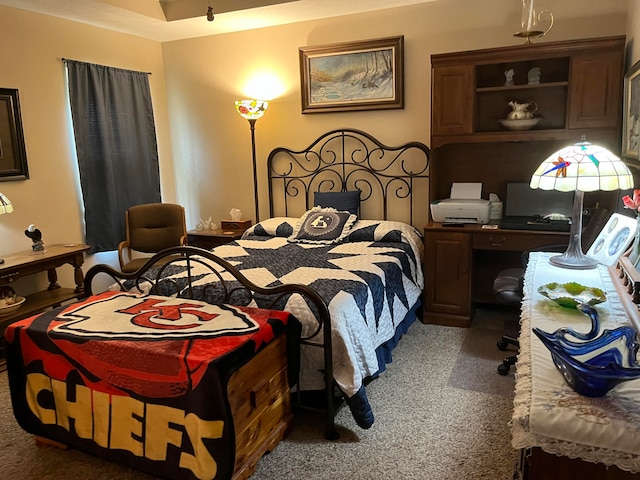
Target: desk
x: 549, y: 417
x: 460, y: 264
x: 24, y: 263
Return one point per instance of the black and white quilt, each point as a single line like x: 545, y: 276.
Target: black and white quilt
x: 370, y: 281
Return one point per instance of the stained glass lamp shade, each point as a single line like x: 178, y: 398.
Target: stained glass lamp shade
x: 5, y: 204
x: 582, y: 167
x: 251, y: 109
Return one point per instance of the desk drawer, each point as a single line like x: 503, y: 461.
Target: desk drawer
x: 516, y: 241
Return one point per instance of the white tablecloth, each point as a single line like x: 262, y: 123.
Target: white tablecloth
x: 547, y: 412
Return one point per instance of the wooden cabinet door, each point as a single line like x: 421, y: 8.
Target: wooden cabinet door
x: 595, y: 90
x: 447, y: 270
x: 452, y: 108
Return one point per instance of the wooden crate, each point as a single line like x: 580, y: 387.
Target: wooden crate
x: 260, y: 402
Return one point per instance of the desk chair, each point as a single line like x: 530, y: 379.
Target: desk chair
x: 151, y: 227
x: 507, y: 286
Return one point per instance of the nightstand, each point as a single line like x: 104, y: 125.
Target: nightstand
x: 208, y: 239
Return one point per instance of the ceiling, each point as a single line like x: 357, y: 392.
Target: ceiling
x: 167, y: 20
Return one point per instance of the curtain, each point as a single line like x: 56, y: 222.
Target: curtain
x: 116, y: 147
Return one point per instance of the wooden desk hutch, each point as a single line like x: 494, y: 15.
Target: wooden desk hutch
x: 580, y: 93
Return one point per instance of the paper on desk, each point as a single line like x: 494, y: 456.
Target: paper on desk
x: 466, y: 190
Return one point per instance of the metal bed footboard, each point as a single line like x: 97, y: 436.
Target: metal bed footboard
x: 154, y: 278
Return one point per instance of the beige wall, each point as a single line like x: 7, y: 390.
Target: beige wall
x: 30, y: 60
x: 211, y: 143
x: 205, y: 150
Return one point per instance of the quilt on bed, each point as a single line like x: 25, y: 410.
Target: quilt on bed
x: 370, y: 280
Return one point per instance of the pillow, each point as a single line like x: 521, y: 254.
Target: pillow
x: 342, y: 201
x: 273, y: 227
x: 323, y: 225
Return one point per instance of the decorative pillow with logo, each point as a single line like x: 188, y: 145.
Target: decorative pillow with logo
x: 323, y: 225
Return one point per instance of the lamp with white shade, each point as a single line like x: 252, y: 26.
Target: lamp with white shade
x: 582, y: 167
x: 5, y: 207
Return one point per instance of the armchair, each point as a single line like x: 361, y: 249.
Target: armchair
x: 150, y: 228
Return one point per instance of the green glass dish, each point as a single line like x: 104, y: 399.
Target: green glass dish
x: 569, y: 295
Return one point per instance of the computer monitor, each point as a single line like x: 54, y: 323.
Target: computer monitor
x: 524, y: 201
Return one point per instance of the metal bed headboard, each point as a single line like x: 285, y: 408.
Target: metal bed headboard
x: 393, y: 180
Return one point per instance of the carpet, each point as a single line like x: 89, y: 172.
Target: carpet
x: 430, y: 424
x: 477, y: 363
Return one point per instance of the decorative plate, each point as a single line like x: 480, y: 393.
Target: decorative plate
x: 569, y: 295
x: 12, y: 307
x: 525, y: 124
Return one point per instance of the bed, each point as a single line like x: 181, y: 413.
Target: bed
x: 366, y: 263
x: 343, y: 242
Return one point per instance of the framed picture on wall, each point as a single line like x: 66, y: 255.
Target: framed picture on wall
x: 631, y: 119
x: 13, y: 157
x: 364, y: 75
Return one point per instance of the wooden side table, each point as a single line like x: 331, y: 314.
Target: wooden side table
x: 209, y: 239
x: 26, y: 262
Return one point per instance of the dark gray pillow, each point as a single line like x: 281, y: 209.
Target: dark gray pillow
x: 341, y: 201
x: 323, y: 225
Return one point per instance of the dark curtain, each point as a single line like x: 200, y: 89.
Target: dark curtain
x: 116, y: 147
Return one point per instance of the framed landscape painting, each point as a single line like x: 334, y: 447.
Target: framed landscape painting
x: 13, y: 157
x: 364, y: 75
x: 631, y: 118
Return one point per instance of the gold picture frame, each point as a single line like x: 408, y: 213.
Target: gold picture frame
x: 631, y: 118
x: 13, y: 157
x: 363, y: 75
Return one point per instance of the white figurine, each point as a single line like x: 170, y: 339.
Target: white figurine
x: 508, y: 75
x: 534, y: 76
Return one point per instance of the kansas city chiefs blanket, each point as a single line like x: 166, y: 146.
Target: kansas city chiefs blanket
x: 140, y: 380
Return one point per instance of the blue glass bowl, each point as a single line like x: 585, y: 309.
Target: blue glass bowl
x: 592, y: 363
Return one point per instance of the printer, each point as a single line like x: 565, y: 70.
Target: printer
x: 463, y: 206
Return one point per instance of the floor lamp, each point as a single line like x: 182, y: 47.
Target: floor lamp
x: 582, y: 167
x: 5, y: 207
x: 252, y: 110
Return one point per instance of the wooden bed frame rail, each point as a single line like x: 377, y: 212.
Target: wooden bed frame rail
x: 154, y: 274
x: 393, y: 181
